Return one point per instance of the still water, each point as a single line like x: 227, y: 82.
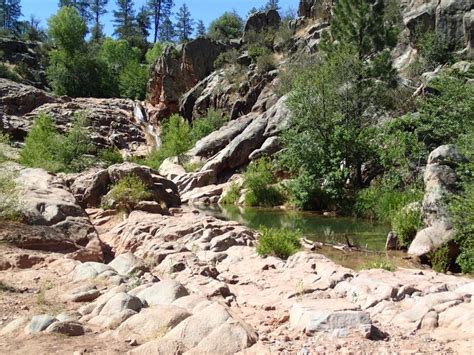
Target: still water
x: 314, y: 226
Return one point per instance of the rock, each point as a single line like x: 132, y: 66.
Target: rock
x: 92, y: 270
x: 66, y: 328
x: 337, y: 317
x: 39, y: 323
x: 13, y: 326
x: 89, y: 187
x: 169, y: 79
x: 83, y: 294
x: 151, y: 323
x: 271, y: 146
x: 440, y: 179
x: 151, y: 207
x: 260, y: 21
x: 119, y: 303
x: 170, y: 169
x: 206, y: 195
x: 392, y: 241
x: 163, y: 292
x: 126, y: 264
x: 161, y: 346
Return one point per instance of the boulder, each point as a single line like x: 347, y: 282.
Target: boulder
x: 126, y: 264
x: 39, y: 323
x: 66, y: 328
x: 92, y: 270
x: 261, y: 21
x: 86, y: 293
x: 119, y: 303
x: 271, y: 146
x: 163, y: 292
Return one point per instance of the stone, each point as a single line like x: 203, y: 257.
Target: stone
x: 66, y: 328
x: 161, y: 346
x: 14, y: 325
x: 151, y: 323
x: 92, y: 270
x: 163, y: 292
x: 271, y: 146
x: 261, y: 20
x: 337, y: 317
x: 126, y: 264
x: 39, y: 323
x: 170, y: 169
x: 392, y: 241
x: 121, y: 302
x: 83, y: 294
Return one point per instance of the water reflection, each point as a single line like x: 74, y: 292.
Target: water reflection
x: 314, y: 226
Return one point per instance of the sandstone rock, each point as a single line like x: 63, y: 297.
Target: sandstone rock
x: 86, y: 293
x: 66, y: 328
x: 338, y: 317
x: 170, y: 169
x: 206, y: 195
x: 121, y: 302
x: 271, y: 146
x: 39, y: 323
x: 127, y: 263
x: 163, y: 292
x: 162, y: 346
x: 91, y: 270
x: 13, y: 326
x: 151, y: 323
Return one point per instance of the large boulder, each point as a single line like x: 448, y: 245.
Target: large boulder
x: 90, y: 186
x: 178, y: 70
x: 261, y: 21
x: 440, y: 180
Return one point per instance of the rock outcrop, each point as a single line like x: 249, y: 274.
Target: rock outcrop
x: 261, y: 21
x: 440, y: 180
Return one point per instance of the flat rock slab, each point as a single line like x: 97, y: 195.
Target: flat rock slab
x: 335, y: 316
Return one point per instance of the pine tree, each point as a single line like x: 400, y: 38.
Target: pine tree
x: 167, y: 31
x: 10, y: 12
x: 82, y: 6
x: 143, y: 22
x: 124, y: 19
x: 160, y: 10
x: 97, y: 9
x: 252, y: 11
x: 184, y: 23
x: 201, y: 29
x: 272, y: 5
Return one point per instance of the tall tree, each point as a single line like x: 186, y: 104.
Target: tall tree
x: 82, y: 6
x: 201, y: 29
x: 184, y: 23
x: 124, y: 19
x: 143, y: 22
x: 10, y: 12
x: 160, y: 10
x: 167, y: 31
x: 98, y: 9
x: 226, y: 27
x: 272, y: 5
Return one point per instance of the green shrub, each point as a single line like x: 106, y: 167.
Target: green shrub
x: 110, y: 156
x: 434, y: 48
x: 228, y: 57
x: 256, y: 51
x: 9, y: 203
x: 281, y: 243
x: 259, y: 179
x: 7, y: 73
x: 266, y: 63
x: 127, y: 193
x: 4, y: 141
x: 406, y: 223
x: 45, y: 148
x: 154, y: 53
x: 204, y: 126
x: 133, y: 80
x: 232, y: 195
x: 379, y: 264
x: 228, y: 26
x: 192, y: 167
x: 440, y: 260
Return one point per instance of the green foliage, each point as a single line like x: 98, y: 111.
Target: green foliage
x: 265, y: 63
x: 155, y: 52
x: 9, y: 202
x: 281, y: 243
x: 117, y: 54
x: 4, y: 141
x: 434, y: 49
x: 259, y: 179
x: 228, y: 26
x: 256, y: 51
x: 192, y: 167
x: 127, y: 193
x: 228, y: 57
x: 406, y: 222
x: 133, y: 81
x: 67, y: 30
x: 204, y: 126
x: 305, y: 193
x: 440, y: 260
x: 46, y: 148
x: 7, y: 73
x: 379, y: 264
x: 232, y: 195
x: 110, y: 156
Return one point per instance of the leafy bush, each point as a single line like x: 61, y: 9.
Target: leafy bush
x: 111, y: 156
x: 256, y: 51
x: 406, y: 222
x: 4, y: 140
x: 379, y: 264
x: 232, y: 195
x: 45, y: 148
x: 258, y: 179
x: 204, y: 126
x: 440, y: 260
x: 266, y: 63
x: 155, y: 52
x: 281, y: 243
x: 133, y: 81
x: 434, y: 49
x: 9, y: 203
x: 228, y: 57
x: 192, y: 167
x: 126, y: 193
x: 7, y: 73
x: 228, y: 26
x: 305, y: 193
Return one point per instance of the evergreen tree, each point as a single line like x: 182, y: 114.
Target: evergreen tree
x: 143, y: 22
x: 184, y: 23
x: 160, y: 10
x: 10, y: 12
x: 124, y: 19
x: 201, y: 29
x: 272, y: 5
x: 167, y: 31
x: 82, y: 6
x: 226, y: 27
x: 97, y: 8
x: 252, y: 11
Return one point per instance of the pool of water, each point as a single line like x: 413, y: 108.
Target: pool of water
x: 314, y: 226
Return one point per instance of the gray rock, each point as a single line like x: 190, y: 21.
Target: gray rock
x: 127, y: 263
x: 39, y: 323
x: 260, y: 21
x: 14, y: 325
x: 163, y: 292
x: 83, y: 294
x: 67, y: 328
x: 271, y: 146
x: 92, y: 270
x: 121, y: 302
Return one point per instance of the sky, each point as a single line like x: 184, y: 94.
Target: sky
x: 205, y: 10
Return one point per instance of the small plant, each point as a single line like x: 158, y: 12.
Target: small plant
x: 111, y: 156
x: 406, y: 223
x: 440, y: 259
x: 265, y: 63
x: 278, y: 242
x: 384, y: 264
x: 232, y: 196
x: 204, y: 126
x: 192, y: 167
x: 9, y: 201
x: 227, y: 58
x: 126, y: 194
x: 7, y: 73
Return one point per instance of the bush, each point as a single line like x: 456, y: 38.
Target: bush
x: 266, y: 63
x: 126, y: 194
x: 434, y: 48
x: 281, y: 243
x: 406, y: 223
x: 154, y: 53
x: 4, y: 141
x: 45, y: 148
x: 379, y: 264
x: 258, y: 179
x: 204, y: 126
x: 133, y: 80
x: 232, y: 195
x: 228, y: 26
x: 305, y: 193
x: 9, y: 203
x: 440, y: 260
x: 7, y: 73
x: 111, y: 156
x: 228, y: 57
x: 256, y: 51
